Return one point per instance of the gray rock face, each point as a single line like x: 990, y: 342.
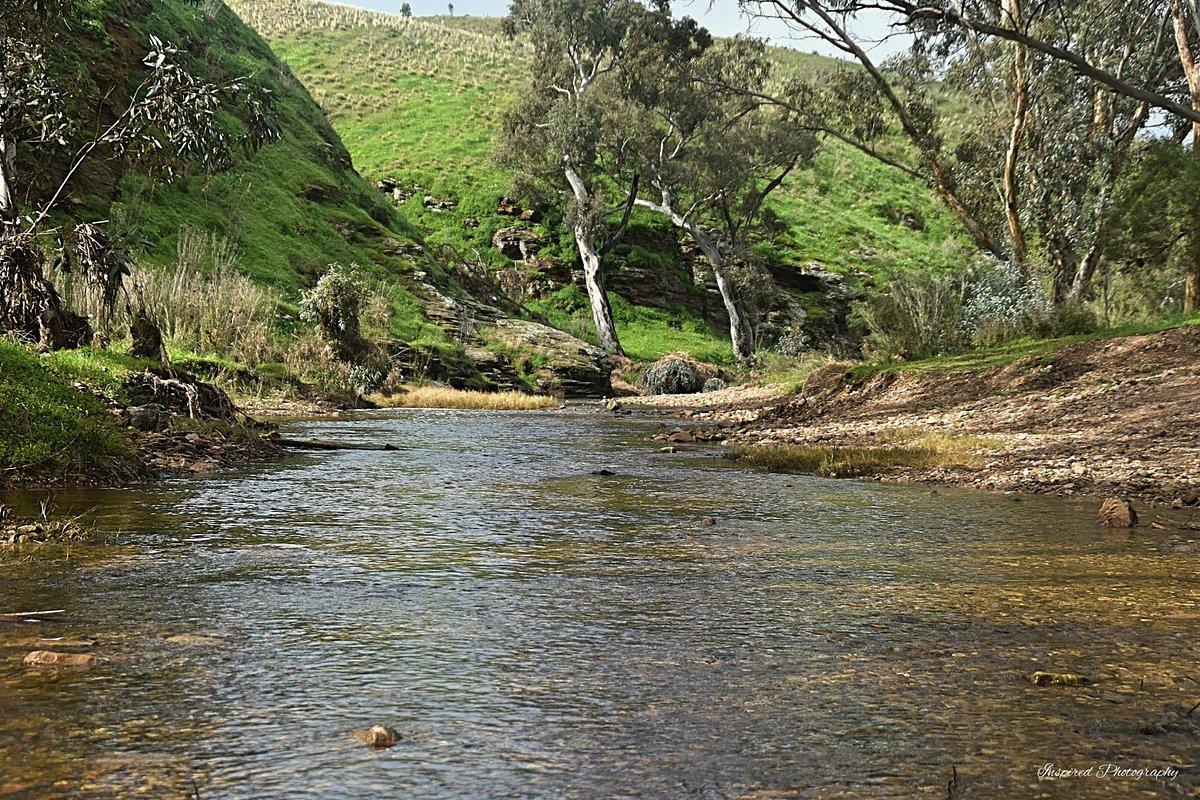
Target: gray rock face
x: 518, y: 244
x: 564, y: 365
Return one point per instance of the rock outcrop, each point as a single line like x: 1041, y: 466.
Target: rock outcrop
x: 560, y: 364
x: 519, y: 244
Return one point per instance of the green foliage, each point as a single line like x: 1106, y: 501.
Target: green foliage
x: 420, y: 101
x: 335, y: 304
x: 1156, y: 235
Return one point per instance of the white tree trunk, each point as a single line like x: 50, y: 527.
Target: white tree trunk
x: 8, y: 164
x: 593, y: 276
x: 606, y: 329
x: 741, y: 332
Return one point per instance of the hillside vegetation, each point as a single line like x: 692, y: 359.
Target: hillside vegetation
x: 285, y: 211
x: 419, y: 102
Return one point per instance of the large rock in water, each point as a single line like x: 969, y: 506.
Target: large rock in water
x: 564, y: 365
x: 1116, y: 513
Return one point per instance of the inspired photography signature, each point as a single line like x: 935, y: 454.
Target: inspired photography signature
x: 1053, y: 772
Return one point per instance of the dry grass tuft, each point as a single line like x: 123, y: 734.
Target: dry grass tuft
x: 202, y: 303
x: 445, y: 397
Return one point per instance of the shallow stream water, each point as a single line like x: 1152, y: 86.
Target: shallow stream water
x: 534, y: 630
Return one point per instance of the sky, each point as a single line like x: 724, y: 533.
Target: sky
x: 722, y: 17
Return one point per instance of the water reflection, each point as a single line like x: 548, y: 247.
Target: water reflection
x: 534, y: 630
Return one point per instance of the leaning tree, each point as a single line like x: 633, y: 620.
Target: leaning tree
x: 1056, y: 97
x: 712, y: 156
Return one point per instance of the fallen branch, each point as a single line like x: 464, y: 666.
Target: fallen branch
x: 1163, y: 524
x: 319, y: 444
x: 33, y: 613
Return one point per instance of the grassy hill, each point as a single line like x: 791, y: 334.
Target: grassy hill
x: 288, y: 210
x: 280, y: 215
x: 419, y: 101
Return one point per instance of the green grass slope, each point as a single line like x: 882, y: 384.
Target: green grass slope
x: 291, y: 208
x: 420, y: 101
x: 50, y: 431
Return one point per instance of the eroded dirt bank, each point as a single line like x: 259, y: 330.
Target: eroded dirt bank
x: 1096, y: 418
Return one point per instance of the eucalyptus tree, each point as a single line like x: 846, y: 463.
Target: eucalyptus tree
x: 991, y: 19
x: 1056, y: 97
x: 573, y: 131
x: 1185, y: 23
x: 712, y: 156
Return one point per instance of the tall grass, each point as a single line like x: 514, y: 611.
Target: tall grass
x: 206, y: 304
x: 901, y: 448
x: 202, y: 303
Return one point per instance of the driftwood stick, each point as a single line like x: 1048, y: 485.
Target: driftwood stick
x: 33, y: 613
x: 321, y: 444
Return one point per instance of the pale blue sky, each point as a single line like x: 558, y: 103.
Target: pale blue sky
x: 722, y: 17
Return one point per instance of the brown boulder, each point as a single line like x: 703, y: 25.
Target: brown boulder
x: 1116, y: 513
x: 378, y: 736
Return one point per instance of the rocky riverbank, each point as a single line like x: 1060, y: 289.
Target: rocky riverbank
x: 153, y: 424
x: 1094, y: 418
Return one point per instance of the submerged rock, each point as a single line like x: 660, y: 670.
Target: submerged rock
x: 1058, y: 679
x: 1117, y: 513
x: 53, y: 658
x: 16, y: 531
x: 192, y: 640
x: 378, y: 736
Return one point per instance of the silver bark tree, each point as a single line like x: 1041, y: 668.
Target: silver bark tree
x: 712, y: 156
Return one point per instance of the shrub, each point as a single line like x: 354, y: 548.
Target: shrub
x: 335, y: 304
x: 792, y: 343
x: 715, y: 385
x: 913, y: 317
x: 1070, y: 320
x: 1001, y: 304
x: 672, y: 375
